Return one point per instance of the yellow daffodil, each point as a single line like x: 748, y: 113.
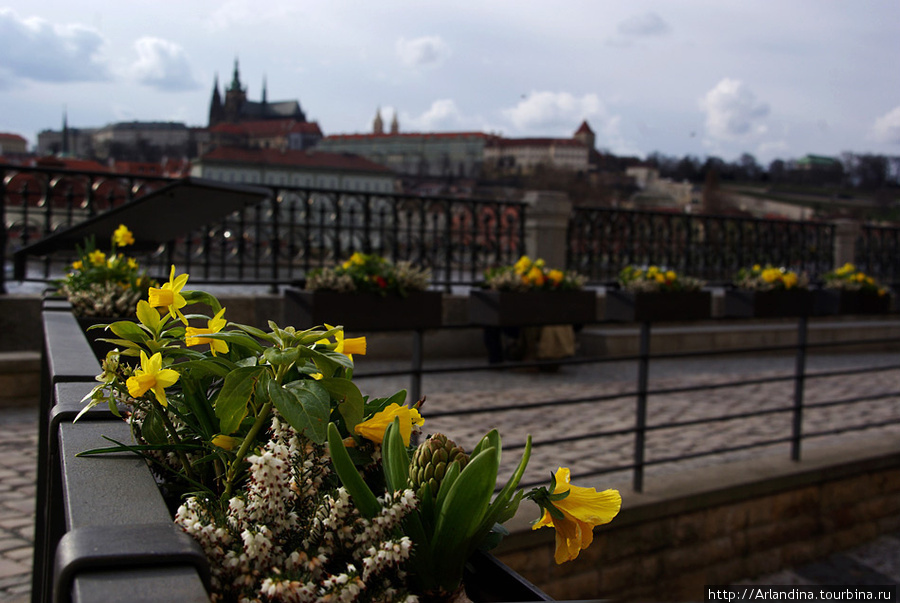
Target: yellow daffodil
x: 670, y: 275
x: 151, y: 376
x: 194, y: 335
x: 77, y: 265
x: 373, y: 429
x: 790, y: 280
x: 225, y: 442
x: 756, y: 267
x: 169, y: 295
x: 122, y: 236
x: 97, y: 257
x: 132, y: 263
x: 348, y: 347
x: 582, y: 509
x: 556, y: 276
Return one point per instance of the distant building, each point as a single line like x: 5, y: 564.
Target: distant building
x: 660, y: 193
x: 146, y: 141
x: 314, y: 169
x: 12, y: 144
x: 236, y: 108
x: 281, y: 134
x: 434, y: 155
x: 817, y: 169
x: 522, y: 155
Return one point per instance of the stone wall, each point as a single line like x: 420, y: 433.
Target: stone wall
x: 722, y: 524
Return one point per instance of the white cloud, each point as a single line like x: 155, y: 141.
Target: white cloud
x: 38, y: 50
x: 552, y: 110
x: 887, y: 127
x: 648, y: 24
x: 732, y: 111
x: 442, y: 115
x: 422, y: 52
x: 163, y: 65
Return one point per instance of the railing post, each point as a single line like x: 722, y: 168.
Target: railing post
x: 640, y: 427
x: 546, y: 226
x: 799, y: 379
x: 846, y: 233
x: 418, y: 349
x: 3, y: 236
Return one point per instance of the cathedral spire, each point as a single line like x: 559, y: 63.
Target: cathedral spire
x: 264, y: 100
x: 236, y: 79
x: 65, y: 132
x: 395, y: 125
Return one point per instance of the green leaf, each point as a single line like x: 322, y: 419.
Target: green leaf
x: 395, y: 458
x: 153, y: 429
x: 202, y: 297
x: 461, y: 514
x: 279, y: 357
x: 305, y: 405
x: 254, y: 332
x: 125, y: 329
x: 450, y: 477
x: 505, y: 504
x: 362, y: 496
x: 231, y: 403
x: 350, y: 401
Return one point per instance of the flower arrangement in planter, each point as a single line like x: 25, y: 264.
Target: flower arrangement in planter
x: 848, y: 290
x: 105, y: 285
x: 366, y: 292
x: 297, y: 486
x: 531, y: 293
x: 768, y: 291
x: 655, y: 293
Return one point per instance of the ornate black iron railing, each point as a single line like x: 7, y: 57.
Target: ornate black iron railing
x: 878, y: 252
x: 285, y: 236
x: 601, y: 241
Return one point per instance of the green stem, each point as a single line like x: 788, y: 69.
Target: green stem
x: 177, y: 440
x: 245, y: 448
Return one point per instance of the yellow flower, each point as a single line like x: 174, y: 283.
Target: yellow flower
x: 132, y: 263
x: 348, y: 347
x: 535, y: 276
x: 582, y: 509
x: 846, y: 269
x: 770, y: 275
x: 670, y: 275
x: 790, y: 280
x: 556, y: 276
x: 659, y: 276
x: 122, y: 236
x: 97, y: 257
x: 756, y: 267
x: 151, y: 376
x: 169, y: 295
x: 225, y: 442
x: 77, y: 265
x: 373, y: 428
x: 194, y: 335
x: 522, y: 266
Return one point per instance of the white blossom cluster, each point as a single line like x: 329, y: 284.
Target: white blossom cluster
x: 292, y: 536
x: 103, y: 299
x: 327, y: 280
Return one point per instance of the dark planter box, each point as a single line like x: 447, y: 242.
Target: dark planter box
x: 100, y: 348
x: 768, y: 304
x: 363, y: 311
x: 508, y: 309
x: 837, y: 301
x: 657, y: 306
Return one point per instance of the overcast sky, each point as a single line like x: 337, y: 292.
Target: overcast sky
x: 774, y: 78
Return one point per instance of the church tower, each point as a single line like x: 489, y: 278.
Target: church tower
x: 235, y: 96
x: 585, y: 135
x: 378, y: 125
x: 216, y: 111
x: 395, y: 125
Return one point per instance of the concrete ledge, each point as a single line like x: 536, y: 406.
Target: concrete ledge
x: 20, y: 378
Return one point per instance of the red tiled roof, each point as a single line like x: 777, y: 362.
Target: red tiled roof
x: 584, y: 128
x: 269, y: 127
x: 68, y: 163
x: 15, y: 137
x: 411, y: 135
x: 306, y: 159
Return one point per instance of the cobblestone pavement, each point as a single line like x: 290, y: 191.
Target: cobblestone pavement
x: 509, y: 388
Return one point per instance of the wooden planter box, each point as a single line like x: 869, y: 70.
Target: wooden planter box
x: 666, y: 306
x: 838, y: 301
x: 508, y: 309
x: 768, y: 304
x: 363, y: 311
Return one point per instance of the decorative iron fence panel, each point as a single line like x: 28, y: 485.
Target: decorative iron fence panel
x: 602, y: 241
x: 878, y: 252
x: 285, y: 236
